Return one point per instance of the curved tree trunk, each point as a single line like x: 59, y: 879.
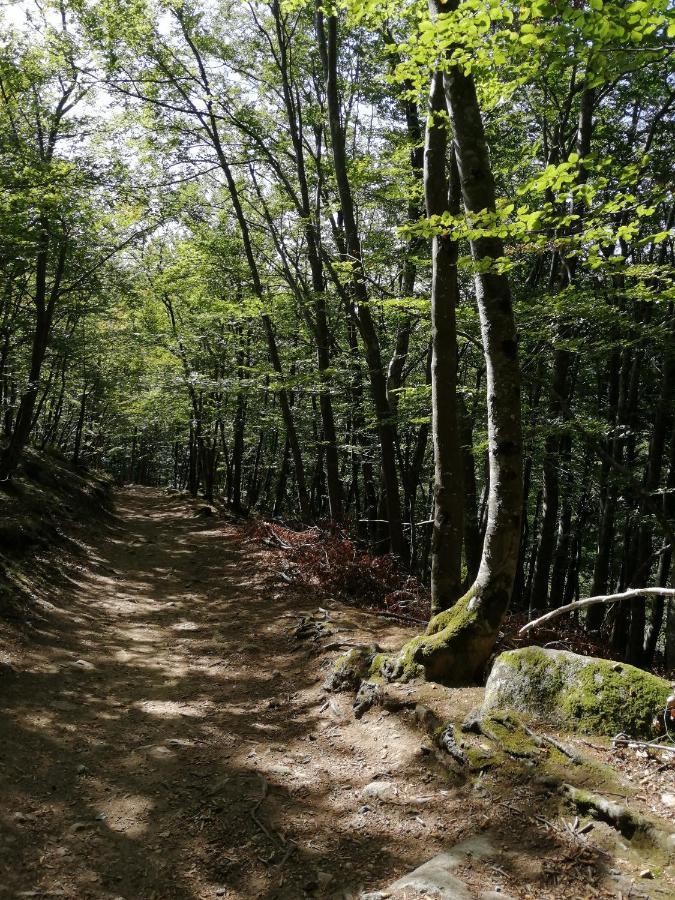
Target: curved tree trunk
x: 459, y: 642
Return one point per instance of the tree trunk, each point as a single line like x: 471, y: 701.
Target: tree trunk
x: 327, y: 35
x: 80, y: 426
x: 459, y: 641
x: 472, y: 536
x: 45, y: 302
x: 443, y: 196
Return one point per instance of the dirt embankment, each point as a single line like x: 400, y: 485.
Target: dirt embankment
x: 40, y: 512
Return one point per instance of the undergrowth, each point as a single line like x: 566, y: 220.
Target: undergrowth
x: 334, y: 563
x: 330, y: 561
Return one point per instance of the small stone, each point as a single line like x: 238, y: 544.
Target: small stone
x: 646, y: 873
x: 82, y: 769
x: 84, y: 664
x: 362, y: 810
x: 668, y: 799
x: 324, y: 878
x: 380, y: 790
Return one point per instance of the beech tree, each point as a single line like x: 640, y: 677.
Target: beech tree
x: 399, y: 271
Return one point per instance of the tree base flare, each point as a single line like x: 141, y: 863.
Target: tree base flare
x: 454, y: 650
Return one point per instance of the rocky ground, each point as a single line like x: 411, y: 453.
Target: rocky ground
x: 164, y: 734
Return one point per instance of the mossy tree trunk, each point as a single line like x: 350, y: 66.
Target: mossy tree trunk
x: 459, y: 641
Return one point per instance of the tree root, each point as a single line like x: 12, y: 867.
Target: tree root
x: 277, y: 839
x: 453, y: 651
x: 629, y: 823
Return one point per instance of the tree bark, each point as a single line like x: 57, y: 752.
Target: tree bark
x: 443, y: 196
x: 327, y: 37
x: 44, y: 299
x: 459, y: 641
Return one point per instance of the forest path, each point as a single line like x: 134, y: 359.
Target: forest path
x: 167, y: 737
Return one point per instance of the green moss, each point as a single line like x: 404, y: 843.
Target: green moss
x: 454, y: 645
x: 544, y: 673
x: 450, y: 620
x: 406, y: 666
x: 479, y: 759
x: 609, y: 697
x: 594, y: 696
x: 350, y: 669
x: 508, y: 733
x: 377, y: 665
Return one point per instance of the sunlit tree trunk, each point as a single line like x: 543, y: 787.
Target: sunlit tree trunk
x: 459, y: 641
x: 442, y: 195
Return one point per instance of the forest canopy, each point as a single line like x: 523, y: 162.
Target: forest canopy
x: 400, y: 269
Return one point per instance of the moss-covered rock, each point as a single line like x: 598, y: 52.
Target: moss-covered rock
x: 589, y: 695
x: 350, y: 669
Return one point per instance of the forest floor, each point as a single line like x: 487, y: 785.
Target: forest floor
x: 164, y: 735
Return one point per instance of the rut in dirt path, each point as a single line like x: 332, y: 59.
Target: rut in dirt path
x: 167, y: 740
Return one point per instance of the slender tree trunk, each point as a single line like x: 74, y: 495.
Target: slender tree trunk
x: 45, y: 301
x: 443, y: 196
x: 472, y: 536
x: 600, y: 580
x: 643, y: 644
x: 562, y: 546
x: 310, y: 218
x: 459, y: 641
x: 210, y: 124
x: 80, y: 426
x: 327, y: 35
x: 551, y: 479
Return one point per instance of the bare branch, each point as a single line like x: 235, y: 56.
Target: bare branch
x: 594, y: 601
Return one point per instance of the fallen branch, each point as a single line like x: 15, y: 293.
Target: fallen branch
x: 595, y: 601
x: 620, y: 741
x: 618, y: 816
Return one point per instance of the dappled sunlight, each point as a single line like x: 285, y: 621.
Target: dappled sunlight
x: 170, y: 709
x: 128, y: 815
x: 176, y: 738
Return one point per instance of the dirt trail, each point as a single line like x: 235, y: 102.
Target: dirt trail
x: 167, y: 737
x: 164, y: 700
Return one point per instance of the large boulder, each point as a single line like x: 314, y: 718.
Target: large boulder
x: 585, y: 694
